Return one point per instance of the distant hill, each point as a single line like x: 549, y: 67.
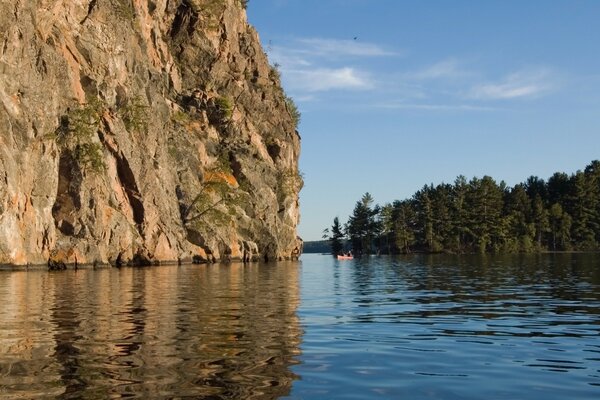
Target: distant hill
x: 317, y: 246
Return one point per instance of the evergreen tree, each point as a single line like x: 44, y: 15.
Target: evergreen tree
x: 518, y: 217
x: 560, y: 214
x: 386, y: 218
x: 558, y: 188
x: 425, y: 220
x: 582, y: 208
x: 403, y: 216
x: 362, y: 226
x: 485, y: 199
x: 337, y: 237
x: 536, y: 187
x: 458, y: 206
x: 560, y: 227
x: 442, y: 217
x: 540, y: 220
x: 592, y: 173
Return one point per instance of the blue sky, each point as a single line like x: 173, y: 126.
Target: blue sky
x: 398, y: 94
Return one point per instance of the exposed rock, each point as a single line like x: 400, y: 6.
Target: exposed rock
x: 136, y: 132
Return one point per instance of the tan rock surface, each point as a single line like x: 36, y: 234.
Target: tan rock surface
x: 115, y: 118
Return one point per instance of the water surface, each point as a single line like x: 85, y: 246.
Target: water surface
x: 220, y: 331
x: 418, y: 327
x: 449, y: 327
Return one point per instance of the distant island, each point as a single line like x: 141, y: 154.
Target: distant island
x: 479, y: 215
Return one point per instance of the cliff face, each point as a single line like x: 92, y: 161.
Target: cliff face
x: 136, y: 131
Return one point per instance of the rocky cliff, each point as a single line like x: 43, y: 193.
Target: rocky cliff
x: 142, y: 131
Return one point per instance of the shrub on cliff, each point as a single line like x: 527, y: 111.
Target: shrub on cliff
x: 76, y: 134
x: 293, y: 110
x: 134, y: 115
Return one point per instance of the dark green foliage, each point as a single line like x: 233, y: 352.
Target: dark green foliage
x: 317, y: 246
x: 404, y: 221
x: 485, y: 216
x: 124, y: 9
x: 76, y: 134
x: 335, y: 237
x: 81, y: 123
x: 560, y: 228
x: 274, y: 74
x: 89, y: 156
x: 363, y: 225
x: 216, y: 198
x: 293, y: 110
x: 181, y: 118
x: 225, y: 108
x: 135, y: 115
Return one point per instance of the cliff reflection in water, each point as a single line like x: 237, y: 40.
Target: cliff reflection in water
x: 202, y: 331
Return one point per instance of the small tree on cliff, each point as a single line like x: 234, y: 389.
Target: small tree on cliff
x: 218, y: 194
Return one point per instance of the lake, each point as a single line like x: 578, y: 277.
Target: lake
x: 414, y: 327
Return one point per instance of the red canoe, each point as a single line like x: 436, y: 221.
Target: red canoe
x: 345, y: 257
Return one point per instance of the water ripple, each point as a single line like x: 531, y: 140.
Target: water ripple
x: 220, y: 332
x: 450, y: 327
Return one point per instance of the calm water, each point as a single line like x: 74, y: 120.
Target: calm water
x: 425, y: 327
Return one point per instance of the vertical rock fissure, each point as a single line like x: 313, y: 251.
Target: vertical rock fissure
x: 127, y: 179
x: 68, y: 200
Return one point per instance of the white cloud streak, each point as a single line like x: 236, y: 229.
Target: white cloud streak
x: 333, y: 48
x: 447, y: 69
x: 434, y: 107
x: 522, y: 84
x: 311, y: 66
x: 308, y: 64
x: 324, y: 79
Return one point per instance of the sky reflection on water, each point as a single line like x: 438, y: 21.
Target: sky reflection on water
x: 450, y: 327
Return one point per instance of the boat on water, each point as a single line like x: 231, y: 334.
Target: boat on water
x: 340, y: 257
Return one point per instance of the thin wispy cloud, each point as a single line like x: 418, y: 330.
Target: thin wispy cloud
x: 340, y: 47
x: 447, y: 69
x: 434, y: 107
x: 522, y: 84
x: 288, y: 59
x: 324, y: 79
x: 311, y: 65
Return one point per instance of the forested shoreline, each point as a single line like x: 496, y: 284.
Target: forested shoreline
x: 480, y: 215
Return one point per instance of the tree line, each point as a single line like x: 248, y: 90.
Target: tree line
x: 480, y: 215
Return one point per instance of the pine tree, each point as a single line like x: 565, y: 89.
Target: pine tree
x: 592, y: 173
x: 458, y: 207
x: 560, y: 214
x: 362, y: 227
x: 425, y: 221
x: 336, y: 239
x: 582, y: 208
x: 386, y: 218
x: 540, y: 220
x: 403, y: 217
x: 485, y: 207
x: 518, y: 214
x: 560, y: 227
